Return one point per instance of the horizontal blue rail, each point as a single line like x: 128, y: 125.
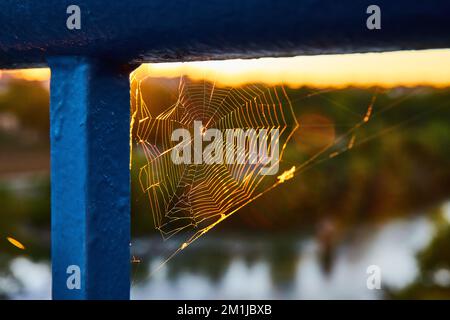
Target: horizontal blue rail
x: 163, y: 30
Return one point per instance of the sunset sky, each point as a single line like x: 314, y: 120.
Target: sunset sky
x: 388, y: 69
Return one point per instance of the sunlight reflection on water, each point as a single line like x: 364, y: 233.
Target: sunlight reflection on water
x: 392, y: 246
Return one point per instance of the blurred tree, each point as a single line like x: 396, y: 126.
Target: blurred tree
x: 29, y: 102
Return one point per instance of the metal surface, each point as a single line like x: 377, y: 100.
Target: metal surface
x: 89, y: 110
x: 168, y: 30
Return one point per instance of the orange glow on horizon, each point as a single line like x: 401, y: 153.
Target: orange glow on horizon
x: 387, y: 69
x: 35, y: 74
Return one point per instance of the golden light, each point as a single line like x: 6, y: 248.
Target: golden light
x: 36, y: 74
x: 387, y: 69
x: 16, y: 243
x: 286, y: 175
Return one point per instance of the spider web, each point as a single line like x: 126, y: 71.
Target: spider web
x: 195, y: 197
x: 189, y: 200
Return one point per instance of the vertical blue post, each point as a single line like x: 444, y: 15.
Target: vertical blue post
x: 90, y: 180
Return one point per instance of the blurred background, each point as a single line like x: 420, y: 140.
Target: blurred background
x: 385, y: 202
